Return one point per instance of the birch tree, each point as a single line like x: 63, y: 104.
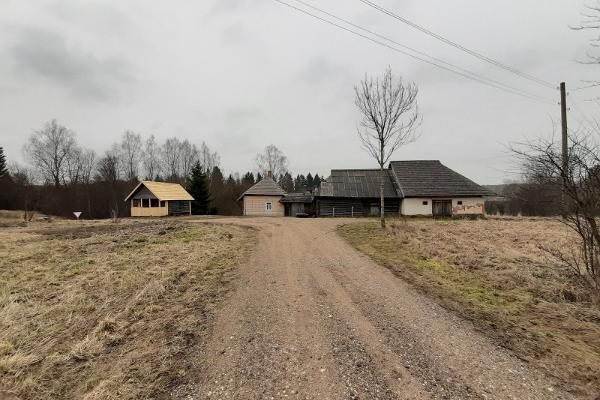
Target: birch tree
x: 151, y: 160
x: 130, y: 153
x: 48, y: 149
x: 272, y: 159
x: 389, y: 120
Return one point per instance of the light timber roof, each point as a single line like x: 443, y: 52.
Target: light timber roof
x: 266, y: 187
x: 163, y: 191
x: 431, y: 178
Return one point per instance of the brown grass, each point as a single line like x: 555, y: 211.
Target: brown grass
x: 493, y: 272
x: 96, y: 310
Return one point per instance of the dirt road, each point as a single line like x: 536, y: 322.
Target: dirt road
x: 311, y: 318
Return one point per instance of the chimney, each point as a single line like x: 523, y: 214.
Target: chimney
x: 270, y: 174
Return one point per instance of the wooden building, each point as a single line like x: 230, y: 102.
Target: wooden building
x: 423, y: 187
x: 158, y: 199
x: 264, y: 199
x: 298, y: 204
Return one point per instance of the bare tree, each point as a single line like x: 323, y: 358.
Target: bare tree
x: 48, y: 150
x: 208, y: 159
x: 580, y: 183
x: 390, y: 118
x: 108, y: 166
x: 189, y: 156
x: 151, y: 158
x: 130, y: 153
x: 272, y: 159
x: 87, y: 162
x: 171, y: 158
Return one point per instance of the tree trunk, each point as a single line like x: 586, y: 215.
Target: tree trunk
x: 382, y: 204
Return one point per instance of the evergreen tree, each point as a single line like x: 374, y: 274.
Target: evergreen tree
x: 317, y: 181
x: 198, y: 188
x: 3, y: 170
x: 259, y: 177
x: 248, y: 179
x: 286, y: 182
x: 300, y: 183
x: 310, y: 183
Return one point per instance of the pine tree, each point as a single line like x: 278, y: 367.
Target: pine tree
x: 310, y: 183
x: 248, y: 179
x: 259, y: 177
x: 287, y: 182
x: 317, y: 181
x: 3, y: 170
x: 198, y: 188
x: 300, y: 183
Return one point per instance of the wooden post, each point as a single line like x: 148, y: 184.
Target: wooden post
x: 352, y: 213
x: 190, y: 206
x: 333, y: 211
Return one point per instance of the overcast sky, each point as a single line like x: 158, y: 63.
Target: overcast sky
x: 241, y: 74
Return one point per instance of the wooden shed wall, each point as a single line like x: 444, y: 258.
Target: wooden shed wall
x: 349, y: 207
x: 143, y: 193
x: 179, y: 207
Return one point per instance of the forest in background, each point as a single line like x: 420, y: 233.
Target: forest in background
x: 61, y: 176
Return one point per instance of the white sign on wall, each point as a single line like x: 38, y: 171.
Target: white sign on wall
x: 77, y: 214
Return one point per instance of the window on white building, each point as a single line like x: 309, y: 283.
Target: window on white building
x: 459, y: 202
x: 425, y: 202
x: 268, y: 206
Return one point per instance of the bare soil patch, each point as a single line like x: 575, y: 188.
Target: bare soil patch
x: 493, y: 273
x: 96, y: 310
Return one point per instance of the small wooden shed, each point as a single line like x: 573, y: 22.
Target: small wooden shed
x: 159, y: 199
x: 264, y: 199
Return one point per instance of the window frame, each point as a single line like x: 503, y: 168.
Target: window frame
x: 268, y: 206
x: 136, y: 203
x: 425, y: 202
x: 459, y: 202
x: 154, y: 203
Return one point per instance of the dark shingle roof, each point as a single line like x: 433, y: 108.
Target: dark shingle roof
x: 297, y: 198
x: 266, y: 187
x: 430, y: 178
x: 357, y: 183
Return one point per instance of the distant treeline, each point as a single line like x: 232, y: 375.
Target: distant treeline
x: 526, y: 199
x: 63, y: 177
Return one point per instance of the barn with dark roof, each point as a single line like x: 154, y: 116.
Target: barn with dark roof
x: 422, y: 187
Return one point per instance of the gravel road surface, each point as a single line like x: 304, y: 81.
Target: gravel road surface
x: 311, y: 318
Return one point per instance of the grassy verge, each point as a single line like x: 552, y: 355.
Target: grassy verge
x: 114, y: 311
x: 493, y: 273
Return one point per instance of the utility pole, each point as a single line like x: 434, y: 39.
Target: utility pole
x: 565, y: 144
x: 563, y: 116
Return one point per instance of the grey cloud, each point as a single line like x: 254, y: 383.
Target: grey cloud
x: 239, y: 115
x: 46, y: 55
x: 223, y: 6
x: 320, y: 69
x: 235, y: 33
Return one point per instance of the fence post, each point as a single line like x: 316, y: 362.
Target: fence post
x: 352, y: 212
x: 334, y: 212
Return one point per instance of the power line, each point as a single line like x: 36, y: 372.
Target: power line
x: 461, y: 47
x: 468, y: 75
x: 592, y: 125
x: 439, y: 60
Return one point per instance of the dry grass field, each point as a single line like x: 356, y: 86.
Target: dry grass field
x: 493, y: 273
x: 100, y: 310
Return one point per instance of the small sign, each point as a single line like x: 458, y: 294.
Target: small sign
x: 77, y: 214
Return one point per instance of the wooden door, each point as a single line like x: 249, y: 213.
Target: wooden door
x: 442, y: 208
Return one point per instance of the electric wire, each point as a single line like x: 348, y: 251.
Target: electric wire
x: 468, y: 74
x: 460, y: 47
